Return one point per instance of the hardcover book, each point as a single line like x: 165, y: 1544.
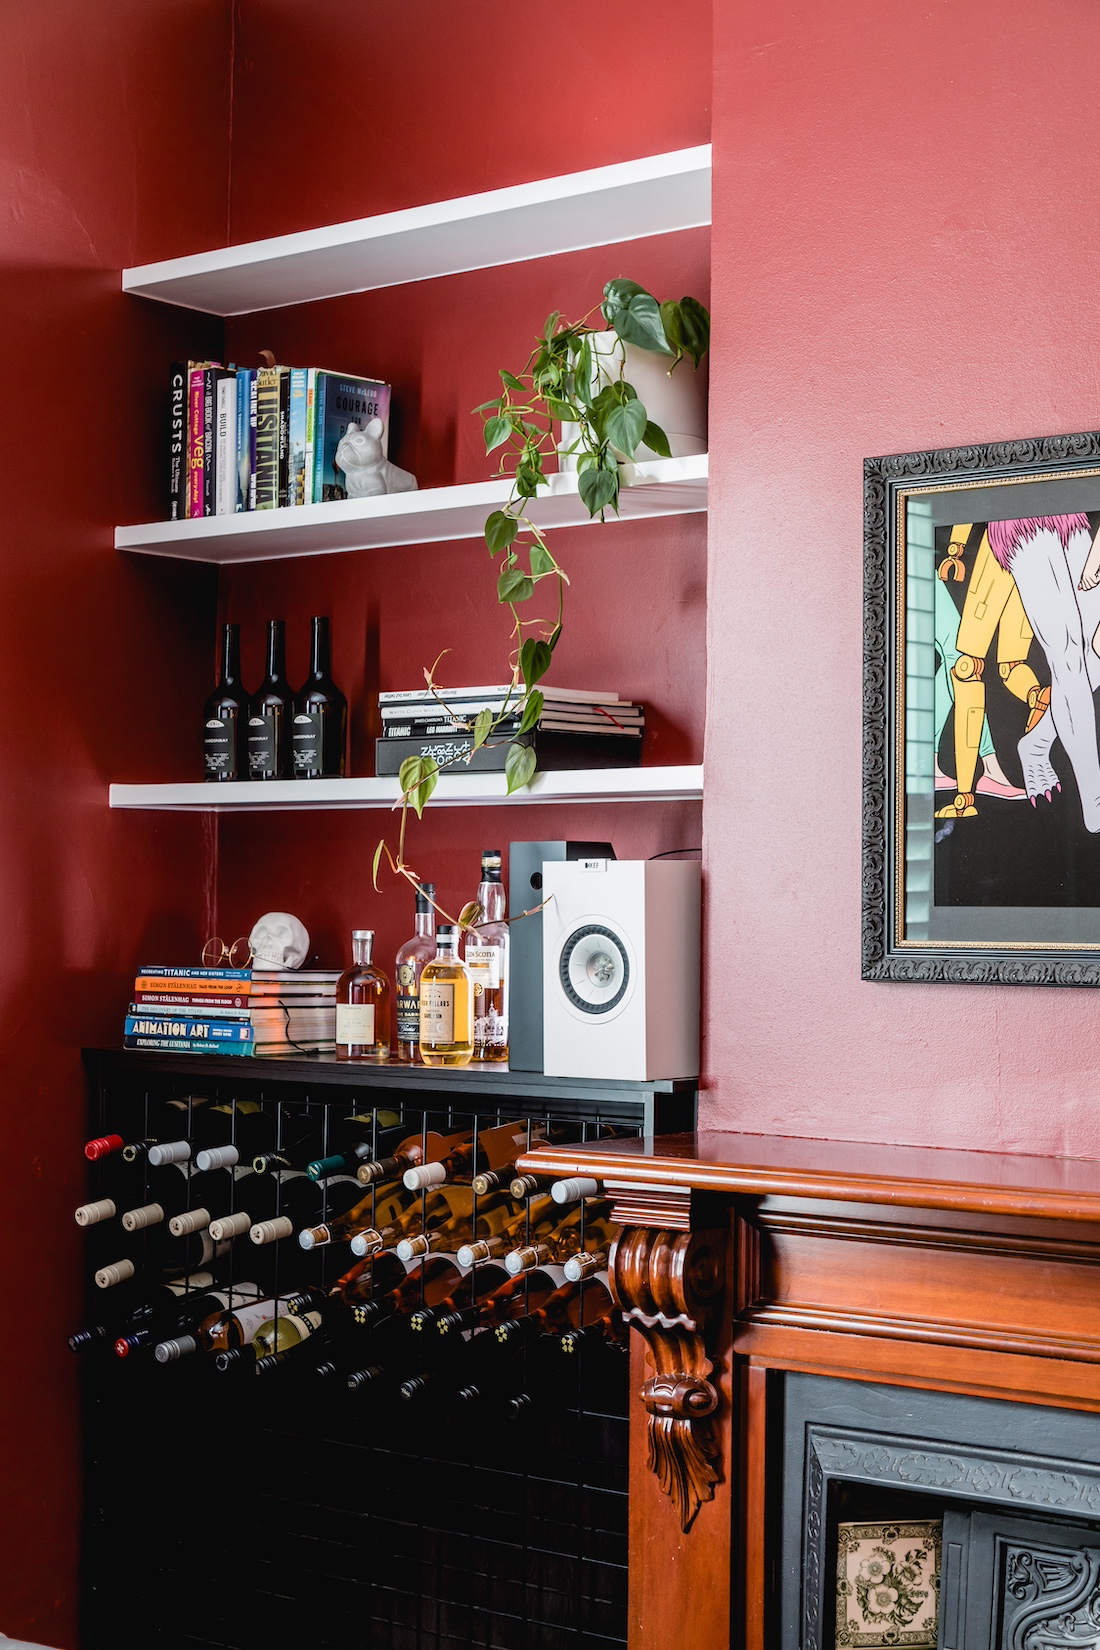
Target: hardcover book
x: 340, y: 400
x: 207, y: 1031
x: 186, y: 1045
x: 246, y: 426
x: 296, y: 483
x: 556, y: 752
x: 177, y: 443
x: 270, y: 438
x: 225, y: 450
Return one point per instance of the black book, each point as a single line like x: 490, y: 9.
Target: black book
x: 556, y: 752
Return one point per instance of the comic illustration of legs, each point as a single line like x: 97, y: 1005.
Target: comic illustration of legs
x: 1050, y: 559
x: 992, y: 607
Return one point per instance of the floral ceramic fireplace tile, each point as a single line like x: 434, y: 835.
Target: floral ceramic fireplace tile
x: 888, y: 1584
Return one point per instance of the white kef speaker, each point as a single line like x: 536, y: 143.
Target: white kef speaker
x: 620, y: 959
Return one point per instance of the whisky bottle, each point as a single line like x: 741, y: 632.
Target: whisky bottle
x: 416, y: 1149
x: 269, y: 713
x: 410, y: 964
x: 487, y: 960
x: 446, y: 1005
x: 363, y: 1005
x: 320, y: 725
x: 224, y: 714
x: 492, y: 1147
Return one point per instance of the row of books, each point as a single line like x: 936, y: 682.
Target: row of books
x: 238, y: 1011
x: 576, y: 728
x: 244, y: 438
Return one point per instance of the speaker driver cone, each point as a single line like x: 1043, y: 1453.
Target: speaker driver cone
x: 594, y: 969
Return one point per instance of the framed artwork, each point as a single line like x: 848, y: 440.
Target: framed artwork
x: 981, y: 805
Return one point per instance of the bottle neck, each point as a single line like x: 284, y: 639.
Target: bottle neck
x: 446, y: 947
x: 490, y: 897
x: 231, y: 655
x: 425, y: 925
x: 361, y: 947
x: 319, y: 650
x: 276, y: 650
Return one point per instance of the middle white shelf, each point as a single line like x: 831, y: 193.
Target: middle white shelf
x: 659, y: 487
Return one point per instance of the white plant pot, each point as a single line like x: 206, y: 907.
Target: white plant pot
x: 676, y: 402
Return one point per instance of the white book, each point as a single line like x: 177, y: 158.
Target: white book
x: 225, y: 447
x: 491, y: 695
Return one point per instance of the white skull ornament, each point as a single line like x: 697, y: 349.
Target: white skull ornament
x: 279, y: 940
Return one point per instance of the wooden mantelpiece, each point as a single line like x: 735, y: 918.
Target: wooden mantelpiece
x: 740, y: 1254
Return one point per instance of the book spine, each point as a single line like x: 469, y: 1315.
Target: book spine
x: 166, y: 1025
x: 209, y: 437
x: 311, y: 427
x: 186, y: 1045
x: 195, y: 449
x: 296, y: 486
x: 161, y: 972
x: 225, y: 498
x: 184, y: 999
x: 267, y: 438
x: 284, y: 437
x: 253, y: 406
x: 319, y: 438
x: 177, y: 443
x: 244, y: 443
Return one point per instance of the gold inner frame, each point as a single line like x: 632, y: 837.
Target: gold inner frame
x: 900, y: 943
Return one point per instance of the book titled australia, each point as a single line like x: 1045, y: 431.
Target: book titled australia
x: 340, y: 400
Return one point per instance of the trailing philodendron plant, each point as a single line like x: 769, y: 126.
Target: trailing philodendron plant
x: 572, y: 402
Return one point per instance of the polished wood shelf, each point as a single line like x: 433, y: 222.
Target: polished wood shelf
x: 656, y: 195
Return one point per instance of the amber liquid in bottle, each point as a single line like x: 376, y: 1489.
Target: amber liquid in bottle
x: 487, y: 960
x: 410, y: 965
x: 446, y: 1005
x: 363, y: 1005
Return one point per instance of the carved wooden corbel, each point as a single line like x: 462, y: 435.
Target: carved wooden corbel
x: 667, y: 1284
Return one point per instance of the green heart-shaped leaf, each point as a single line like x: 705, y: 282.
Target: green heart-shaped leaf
x: 514, y: 586
x: 626, y: 426
x: 519, y: 766
x: 500, y: 530
x: 497, y: 432
x: 598, y: 489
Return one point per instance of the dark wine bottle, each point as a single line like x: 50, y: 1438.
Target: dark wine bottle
x: 225, y: 713
x: 270, y: 711
x: 320, y: 731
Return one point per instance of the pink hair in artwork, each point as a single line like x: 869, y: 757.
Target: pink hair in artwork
x: 1006, y: 537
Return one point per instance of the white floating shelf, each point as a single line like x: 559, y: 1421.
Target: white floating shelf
x: 662, y: 487
x: 654, y: 196
x: 457, y: 790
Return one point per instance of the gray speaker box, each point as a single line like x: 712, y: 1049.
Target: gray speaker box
x: 525, y: 862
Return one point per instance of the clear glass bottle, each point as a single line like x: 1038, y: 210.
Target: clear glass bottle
x: 487, y: 960
x: 363, y: 1005
x: 410, y: 965
x: 446, y: 1005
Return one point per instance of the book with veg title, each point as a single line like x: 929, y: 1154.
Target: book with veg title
x: 340, y: 400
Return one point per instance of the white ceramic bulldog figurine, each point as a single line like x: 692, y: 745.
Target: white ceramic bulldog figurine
x: 367, y: 470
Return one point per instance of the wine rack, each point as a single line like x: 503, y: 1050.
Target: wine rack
x: 235, y: 1512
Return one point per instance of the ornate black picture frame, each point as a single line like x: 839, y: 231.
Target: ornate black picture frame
x: 981, y: 767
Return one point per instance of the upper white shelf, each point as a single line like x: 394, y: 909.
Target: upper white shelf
x: 455, y: 790
x: 661, y: 487
x: 654, y: 196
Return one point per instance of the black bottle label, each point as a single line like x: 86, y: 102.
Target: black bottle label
x: 306, y: 742
x: 408, y: 1019
x: 219, y: 742
x: 262, y: 753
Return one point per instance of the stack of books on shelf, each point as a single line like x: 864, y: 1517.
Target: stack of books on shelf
x: 246, y: 1011
x: 577, y: 729
x: 259, y: 439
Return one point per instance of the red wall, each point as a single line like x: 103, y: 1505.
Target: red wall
x: 103, y: 659
x: 905, y: 255
x: 419, y: 119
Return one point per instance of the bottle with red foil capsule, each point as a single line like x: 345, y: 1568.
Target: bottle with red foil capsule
x: 192, y: 1308
x: 412, y: 956
x: 103, y: 1146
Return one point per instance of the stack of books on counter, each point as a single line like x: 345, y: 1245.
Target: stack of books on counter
x: 577, y: 729
x: 246, y: 1011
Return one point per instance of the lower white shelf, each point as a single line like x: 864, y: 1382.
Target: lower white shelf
x: 459, y: 790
